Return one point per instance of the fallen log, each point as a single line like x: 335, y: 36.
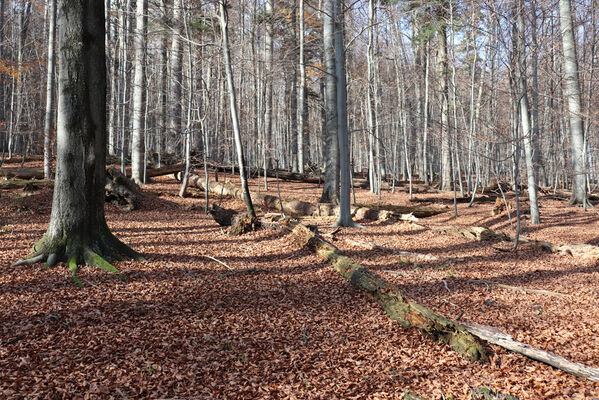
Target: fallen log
x: 477, y: 233
x: 483, y: 234
x: 396, y: 304
x: 22, y: 173
x: 22, y: 184
x: 495, y: 336
x: 298, y: 208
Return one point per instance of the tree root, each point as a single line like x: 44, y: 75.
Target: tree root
x: 105, y: 249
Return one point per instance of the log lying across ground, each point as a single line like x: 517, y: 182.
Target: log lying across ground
x: 298, y: 208
x: 21, y: 184
x: 22, y: 173
x: 495, y: 336
x: 396, y: 304
x: 482, y: 234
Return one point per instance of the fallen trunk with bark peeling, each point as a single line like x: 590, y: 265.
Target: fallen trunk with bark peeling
x: 396, y: 304
x: 495, y: 336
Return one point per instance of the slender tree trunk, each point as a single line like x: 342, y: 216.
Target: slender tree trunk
x: 268, y: 44
x: 139, y: 92
x: 525, y: 119
x: 345, y: 218
x: 174, y: 116
x: 302, y: 106
x: 572, y: 95
x: 233, y: 106
x: 330, y: 192
x: 443, y: 77
x: 48, y: 132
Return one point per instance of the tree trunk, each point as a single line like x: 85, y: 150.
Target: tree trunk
x: 572, y: 94
x: 233, y: 106
x: 330, y: 192
x: 345, y: 218
x: 77, y: 232
x: 174, y: 116
x: 301, y: 106
x: 48, y: 133
x: 525, y: 120
x: 443, y: 77
x: 398, y: 306
x: 139, y: 93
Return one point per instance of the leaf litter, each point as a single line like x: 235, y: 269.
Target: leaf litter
x: 280, y: 323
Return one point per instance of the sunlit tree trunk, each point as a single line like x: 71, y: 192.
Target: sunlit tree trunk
x: 139, y: 92
x: 233, y: 108
x: 330, y: 192
x: 525, y: 119
x: 572, y: 95
x: 77, y: 232
x: 48, y: 132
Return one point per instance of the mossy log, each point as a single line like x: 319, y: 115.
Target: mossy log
x: 396, y: 304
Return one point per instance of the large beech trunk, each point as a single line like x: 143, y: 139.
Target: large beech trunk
x: 77, y: 232
x: 396, y: 304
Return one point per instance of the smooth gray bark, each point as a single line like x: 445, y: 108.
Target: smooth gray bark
x: 572, y: 94
x: 233, y: 108
x: 48, y: 132
x: 139, y: 93
x: 525, y: 120
x: 344, y: 218
x: 301, y: 106
x: 330, y: 191
x: 175, y: 76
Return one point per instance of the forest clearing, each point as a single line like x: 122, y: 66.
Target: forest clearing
x: 270, y: 319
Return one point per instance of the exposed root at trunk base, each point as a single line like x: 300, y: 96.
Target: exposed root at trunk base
x: 98, y: 254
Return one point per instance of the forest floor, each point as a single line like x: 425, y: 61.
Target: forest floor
x: 281, y: 323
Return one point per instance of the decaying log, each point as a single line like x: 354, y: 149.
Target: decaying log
x: 298, y: 208
x: 120, y: 190
x: 242, y: 224
x: 222, y: 216
x: 481, y: 233
x: 495, y: 336
x: 477, y: 233
x: 395, y: 303
x: 22, y: 173
x: 166, y: 170
x: 22, y: 184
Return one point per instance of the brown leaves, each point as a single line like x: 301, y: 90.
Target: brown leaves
x: 281, y: 323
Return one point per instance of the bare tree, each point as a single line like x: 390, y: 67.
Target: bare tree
x: 139, y: 92
x: 48, y: 132
x: 572, y: 94
x: 77, y: 232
